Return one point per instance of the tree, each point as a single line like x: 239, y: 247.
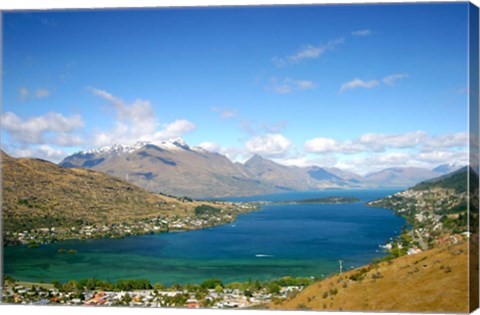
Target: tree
x: 218, y: 289
x: 71, y: 286
x: 8, y: 280
x: 57, y: 285
x: 211, y: 283
x: 176, y: 287
x: 159, y: 286
x: 127, y: 298
x: 273, y: 288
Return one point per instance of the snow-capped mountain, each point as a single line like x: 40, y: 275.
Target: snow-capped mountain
x: 173, y: 167
x: 116, y: 149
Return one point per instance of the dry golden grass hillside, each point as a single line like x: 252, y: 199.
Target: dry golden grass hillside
x: 37, y: 193
x: 431, y: 281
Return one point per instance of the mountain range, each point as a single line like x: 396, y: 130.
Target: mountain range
x: 173, y: 167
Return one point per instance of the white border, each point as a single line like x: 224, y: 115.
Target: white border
x: 87, y: 4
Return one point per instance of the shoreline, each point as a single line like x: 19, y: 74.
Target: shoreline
x: 145, y: 226
x: 42, y: 236
x: 379, y: 253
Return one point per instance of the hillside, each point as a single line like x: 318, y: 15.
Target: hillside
x: 40, y: 195
x: 432, y: 281
x: 455, y: 180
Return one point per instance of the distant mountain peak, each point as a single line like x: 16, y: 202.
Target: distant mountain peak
x: 255, y: 158
x: 179, y: 142
x: 448, y: 167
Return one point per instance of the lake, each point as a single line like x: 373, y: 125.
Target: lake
x: 278, y: 240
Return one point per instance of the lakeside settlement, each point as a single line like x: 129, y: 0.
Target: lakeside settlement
x: 203, y: 217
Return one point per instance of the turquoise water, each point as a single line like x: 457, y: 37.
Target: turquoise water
x: 278, y: 240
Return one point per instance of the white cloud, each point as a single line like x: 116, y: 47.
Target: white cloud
x: 304, y: 161
x: 210, y: 146
x: 42, y: 93
x: 393, y: 78
x: 376, y: 142
x: 307, y: 52
x: 321, y: 145
x: 235, y: 154
x: 288, y: 85
x: 370, y: 152
x: 67, y: 140
x: 328, y: 145
x: 357, y: 83
x: 49, y: 128
x: 459, y: 139
x: 137, y: 121
x: 23, y: 93
x: 362, y: 32
x: 173, y: 130
x: 138, y: 114
x: 269, y: 145
x: 378, y: 161
x: 44, y: 152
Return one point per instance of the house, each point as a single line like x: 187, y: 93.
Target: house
x: 414, y: 250
x: 456, y: 238
x: 193, y: 303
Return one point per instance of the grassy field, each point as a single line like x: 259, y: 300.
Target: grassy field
x: 431, y: 281
x: 38, y: 194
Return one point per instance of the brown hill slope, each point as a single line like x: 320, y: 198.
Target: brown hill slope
x: 38, y: 193
x: 176, y: 169
x: 431, y: 281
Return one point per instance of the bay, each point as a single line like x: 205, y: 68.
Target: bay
x: 278, y: 240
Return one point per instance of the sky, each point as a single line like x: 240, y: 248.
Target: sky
x: 358, y: 87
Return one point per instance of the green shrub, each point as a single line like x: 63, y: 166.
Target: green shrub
x: 206, y: 210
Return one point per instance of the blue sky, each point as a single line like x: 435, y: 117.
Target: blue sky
x: 360, y: 87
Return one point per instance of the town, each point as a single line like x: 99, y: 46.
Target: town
x: 436, y: 215
x: 211, y: 293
